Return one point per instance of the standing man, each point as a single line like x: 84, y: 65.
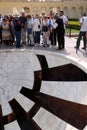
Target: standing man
x: 23, y: 21
x: 60, y: 32
x: 0, y: 29
x: 17, y: 27
x: 83, y: 31
x: 37, y: 29
x: 65, y: 22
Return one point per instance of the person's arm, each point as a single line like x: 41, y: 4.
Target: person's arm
x: 81, y: 21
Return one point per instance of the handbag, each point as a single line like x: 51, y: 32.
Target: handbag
x: 29, y: 30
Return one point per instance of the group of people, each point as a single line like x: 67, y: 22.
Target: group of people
x: 28, y: 29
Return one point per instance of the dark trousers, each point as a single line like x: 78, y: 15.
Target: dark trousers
x: 0, y: 35
x: 81, y: 34
x: 60, y: 38
x: 52, y: 37
x: 18, y: 38
x: 37, y: 37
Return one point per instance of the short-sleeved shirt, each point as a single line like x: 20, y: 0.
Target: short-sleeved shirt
x: 65, y: 19
x: 83, y: 21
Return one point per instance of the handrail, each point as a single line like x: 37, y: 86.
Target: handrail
x: 69, y: 33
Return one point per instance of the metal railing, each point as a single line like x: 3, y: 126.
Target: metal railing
x: 70, y: 33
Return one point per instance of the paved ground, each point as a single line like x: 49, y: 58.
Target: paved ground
x: 69, y: 49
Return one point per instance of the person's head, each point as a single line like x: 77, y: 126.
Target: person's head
x: 55, y: 16
x: 5, y: 20
x: 23, y: 14
x: 37, y: 16
x: 85, y: 14
x: 45, y: 17
x: 61, y: 13
x: 29, y: 16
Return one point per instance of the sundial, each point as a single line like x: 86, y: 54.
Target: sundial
x: 38, y: 89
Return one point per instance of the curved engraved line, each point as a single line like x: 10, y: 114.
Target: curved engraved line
x: 66, y: 72
x: 71, y: 112
x: 38, y: 75
x: 42, y: 61
x: 37, y: 81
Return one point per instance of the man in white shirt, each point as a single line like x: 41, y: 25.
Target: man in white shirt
x: 64, y: 18
x: 83, y: 30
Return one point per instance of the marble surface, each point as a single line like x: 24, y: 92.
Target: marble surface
x: 12, y: 126
x: 51, y: 122
x: 17, y: 69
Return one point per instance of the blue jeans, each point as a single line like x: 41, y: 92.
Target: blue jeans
x: 37, y: 36
x: 18, y: 38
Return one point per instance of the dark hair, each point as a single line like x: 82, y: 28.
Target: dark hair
x: 62, y: 11
x: 84, y: 14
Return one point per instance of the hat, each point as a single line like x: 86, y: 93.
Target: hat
x: 55, y: 16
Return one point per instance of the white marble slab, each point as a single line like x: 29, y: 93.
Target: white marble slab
x: 69, y: 127
x: 17, y: 70
x: 71, y: 91
x: 26, y: 103
x: 12, y: 126
x: 85, y: 128
x: 55, y: 60
x: 6, y: 109
x: 48, y: 121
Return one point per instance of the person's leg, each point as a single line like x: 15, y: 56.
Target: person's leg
x: 54, y: 36
x: 0, y: 35
x: 51, y: 37
x: 18, y: 38
x: 31, y: 39
x: 23, y: 36
x: 34, y: 34
x: 78, y: 40
x: 84, y: 40
x: 38, y: 37
x: 59, y: 41
x: 62, y: 38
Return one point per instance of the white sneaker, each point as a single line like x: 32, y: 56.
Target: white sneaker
x: 36, y: 44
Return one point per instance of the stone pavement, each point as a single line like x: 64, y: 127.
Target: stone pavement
x: 69, y: 49
x: 34, y: 79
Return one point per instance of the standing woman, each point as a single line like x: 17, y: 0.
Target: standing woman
x: 37, y: 29
x: 45, y: 31
x: 6, y: 31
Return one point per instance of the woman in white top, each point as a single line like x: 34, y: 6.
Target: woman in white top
x: 36, y: 30
x: 45, y: 31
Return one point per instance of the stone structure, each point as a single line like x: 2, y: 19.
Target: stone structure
x: 42, y: 90
x: 72, y: 8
